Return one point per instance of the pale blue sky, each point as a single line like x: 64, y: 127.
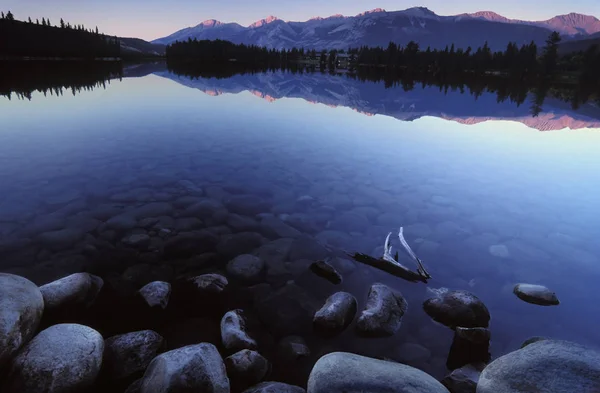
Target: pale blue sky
x: 150, y: 19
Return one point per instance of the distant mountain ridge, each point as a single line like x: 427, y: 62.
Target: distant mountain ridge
x: 377, y: 27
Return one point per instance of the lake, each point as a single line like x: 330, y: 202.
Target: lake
x: 488, y: 196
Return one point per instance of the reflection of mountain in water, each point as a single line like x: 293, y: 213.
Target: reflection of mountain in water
x: 373, y: 98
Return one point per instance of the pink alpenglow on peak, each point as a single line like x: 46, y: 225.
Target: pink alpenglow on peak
x: 266, y: 21
x: 211, y: 23
x: 373, y: 11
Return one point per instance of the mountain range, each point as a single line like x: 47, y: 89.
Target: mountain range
x: 378, y: 27
x: 375, y: 99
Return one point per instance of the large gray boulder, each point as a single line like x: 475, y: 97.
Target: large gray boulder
x: 233, y: 332
x: 336, y: 314
x: 247, y: 367
x: 458, y: 308
x: 64, y: 358
x: 548, y: 366
x: 21, y: 309
x: 209, y: 283
x: 464, y: 379
x: 77, y: 290
x: 536, y: 294
x: 342, y: 372
x: 156, y: 294
x: 274, y: 387
x: 383, y: 312
x: 195, y: 368
x: 130, y: 353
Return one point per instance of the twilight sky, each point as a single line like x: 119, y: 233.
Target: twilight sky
x: 150, y: 19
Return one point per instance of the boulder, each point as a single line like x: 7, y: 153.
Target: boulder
x: 21, y: 309
x: 464, y: 379
x: 156, y: 294
x: 469, y: 346
x: 383, y: 312
x: 328, y: 272
x: 548, y: 366
x: 210, y: 283
x: 63, y: 358
x: 130, y: 353
x: 74, y: 291
x: 474, y: 335
x: 292, y: 348
x: 233, y: 332
x: 336, y: 314
x: 247, y: 367
x: 246, y: 267
x: 341, y: 372
x: 194, y: 368
x: 458, y: 308
x: 274, y: 387
x: 536, y: 294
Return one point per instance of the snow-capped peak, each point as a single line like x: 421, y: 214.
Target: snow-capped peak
x: 211, y: 23
x: 373, y: 11
x: 263, y: 22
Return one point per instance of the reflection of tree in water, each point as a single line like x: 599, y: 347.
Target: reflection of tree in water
x: 539, y: 94
x: 55, y: 77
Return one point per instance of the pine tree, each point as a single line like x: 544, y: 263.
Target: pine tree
x: 550, y: 56
x: 37, y: 21
x: 43, y: 22
x: 62, y: 23
x: 29, y: 20
x: 10, y: 16
x: 96, y: 29
x: 2, y: 15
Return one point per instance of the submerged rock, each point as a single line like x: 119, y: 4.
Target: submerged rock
x: 536, y: 294
x: 194, y: 368
x: 274, y: 387
x: 247, y: 367
x: 246, y: 267
x: 76, y: 290
x: 61, y: 239
x: 458, y: 308
x: 328, y: 272
x: 469, y: 346
x: 383, y: 312
x: 233, y: 332
x: 336, y: 314
x: 156, y: 294
x: 236, y: 244
x: 292, y: 348
x: 248, y: 205
x: 464, y: 379
x: 189, y: 244
x: 130, y: 353
x: 63, y: 358
x: 21, y: 309
x: 549, y: 366
x: 341, y: 372
x: 210, y: 283
x: 137, y: 240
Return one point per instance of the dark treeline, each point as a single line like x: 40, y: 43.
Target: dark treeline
x: 525, y: 62
x: 21, y: 79
x: 515, y: 90
x: 43, y: 39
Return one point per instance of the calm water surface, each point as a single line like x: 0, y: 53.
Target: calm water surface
x: 488, y: 195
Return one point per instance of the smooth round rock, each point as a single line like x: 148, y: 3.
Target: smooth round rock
x: 76, y: 290
x: 156, y: 294
x: 233, y: 332
x: 383, y: 312
x: 210, y: 283
x: 246, y: 267
x: 274, y: 387
x: 337, y: 312
x: 457, y: 308
x: 342, y: 372
x: 64, y: 358
x: 536, y: 294
x: 130, y: 353
x: 247, y: 367
x: 21, y: 309
x: 548, y: 366
x: 194, y: 368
